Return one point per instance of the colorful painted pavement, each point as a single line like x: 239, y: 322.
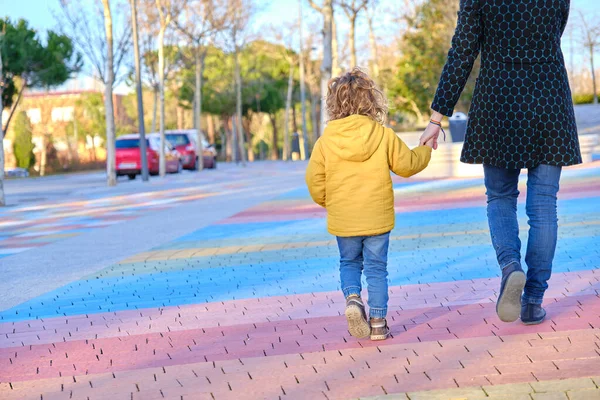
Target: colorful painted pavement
x: 30, y: 226
x: 249, y: 309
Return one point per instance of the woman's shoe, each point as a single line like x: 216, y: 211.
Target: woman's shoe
x: 379, y: 329
x: 508, y: 306
x: 532, y: 314
x: 357, y: 317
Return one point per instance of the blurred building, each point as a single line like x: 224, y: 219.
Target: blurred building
x: 58, y: 118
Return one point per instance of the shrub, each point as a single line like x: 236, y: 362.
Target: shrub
x: 23, y: 145
x: 583, y: 98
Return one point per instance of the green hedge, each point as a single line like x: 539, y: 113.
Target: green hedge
x: 583, y: 98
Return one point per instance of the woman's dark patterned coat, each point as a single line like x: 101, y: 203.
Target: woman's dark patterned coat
x: 522, y: 113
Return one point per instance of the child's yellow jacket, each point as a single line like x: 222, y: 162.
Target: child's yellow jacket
x: 349, y: 174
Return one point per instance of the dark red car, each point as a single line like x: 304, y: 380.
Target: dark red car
x: 128, y: 156
x: 184, y: 142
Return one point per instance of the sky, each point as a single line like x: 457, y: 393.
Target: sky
x: 274, y: 15
x: 39, y: 12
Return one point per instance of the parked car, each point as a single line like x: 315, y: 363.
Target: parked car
x: 128, y: 156
x: 185, y: 141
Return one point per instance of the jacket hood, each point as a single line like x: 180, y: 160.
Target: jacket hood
x: 354, y: 138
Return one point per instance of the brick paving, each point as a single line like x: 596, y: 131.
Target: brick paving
x: 249, y: 308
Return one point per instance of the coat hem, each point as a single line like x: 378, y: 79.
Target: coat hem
x: 371, y: 232
x: 504, y: 164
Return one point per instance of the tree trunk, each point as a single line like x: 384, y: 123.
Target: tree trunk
x: 294, y: 119
x: 229, y: 142
x: 155, y: 91
x: 234, y: 141
x: 162, y: 167
x: 94, y: 152
x: 210, y: 124
x: 179, y: 113
x: 374, y: 52
x: 250, y: 148
x: 108, y: 98
x: 352, y: 41
x: 44, y: 156
x: 326, y: 65
x: 335, y: 56
x: 238, y: 105
x: 286, y: 124
x: 2, y: 197
x: 313, y: 113
x: 138, y: 87
x: 14, y: 106
x: 246, y: 123
x: 274, y: 145
x: 304, y: 149
x: 75, y: 138
x: 198, y: 103
x: 595, y: 101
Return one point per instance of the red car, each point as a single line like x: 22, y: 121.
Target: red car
x: 184, y: 142
x: 128, y: 155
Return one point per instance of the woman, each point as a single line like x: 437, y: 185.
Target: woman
x: 521, y: 116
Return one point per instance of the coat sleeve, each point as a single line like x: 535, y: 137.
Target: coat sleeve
x: 404, y: 161
x: 465, y: 48
x: 315, y: 175
x: 565, y: 18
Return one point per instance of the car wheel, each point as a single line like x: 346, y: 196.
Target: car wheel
x: 132, y: 177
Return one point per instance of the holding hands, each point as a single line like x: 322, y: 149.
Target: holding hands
x: 432, y: 132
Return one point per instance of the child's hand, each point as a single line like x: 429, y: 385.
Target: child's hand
x: 430, y: 136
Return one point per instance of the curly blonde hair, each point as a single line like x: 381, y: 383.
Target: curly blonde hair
x: 355, y: 93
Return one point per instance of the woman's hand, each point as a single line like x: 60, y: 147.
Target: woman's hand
x: 430, y: 136
x: 432, y: 132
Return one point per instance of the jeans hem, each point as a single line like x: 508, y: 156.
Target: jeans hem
x: 377, y: 312
x: 510, y: 263
x: 532, y: 300
x: 351, y: 290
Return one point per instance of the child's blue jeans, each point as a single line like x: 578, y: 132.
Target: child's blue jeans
x: 368, y: 254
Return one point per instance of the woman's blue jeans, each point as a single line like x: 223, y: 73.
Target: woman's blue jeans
x: 368, y: 254
x: 502, y: 194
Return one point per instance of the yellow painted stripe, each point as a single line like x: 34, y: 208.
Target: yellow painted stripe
x: 177, y: 254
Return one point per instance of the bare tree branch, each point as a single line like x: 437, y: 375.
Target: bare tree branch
x: 84, y: 24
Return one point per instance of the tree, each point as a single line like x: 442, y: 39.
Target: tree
x: 166, y: 12
x: 326, y: 67
x: 591, y: 41
x: 424, y: 46
x: 25, y: 58
x: 108, y: 98
x: 35, y: 64
x: 266, y: 69
x: 138, y: 86
x: 149, y: 27
x: 151, y: 75
x: 2, y: 85
x: 374, y: 51
x: 23, y: 145
x: 92, y: 32
x: 240, y: 13
x: 304, y: 150
x: 285, y: 39
x: 352, y: 8
x: 199, y: 22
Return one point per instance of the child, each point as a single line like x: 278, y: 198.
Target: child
x: 349, y: 175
